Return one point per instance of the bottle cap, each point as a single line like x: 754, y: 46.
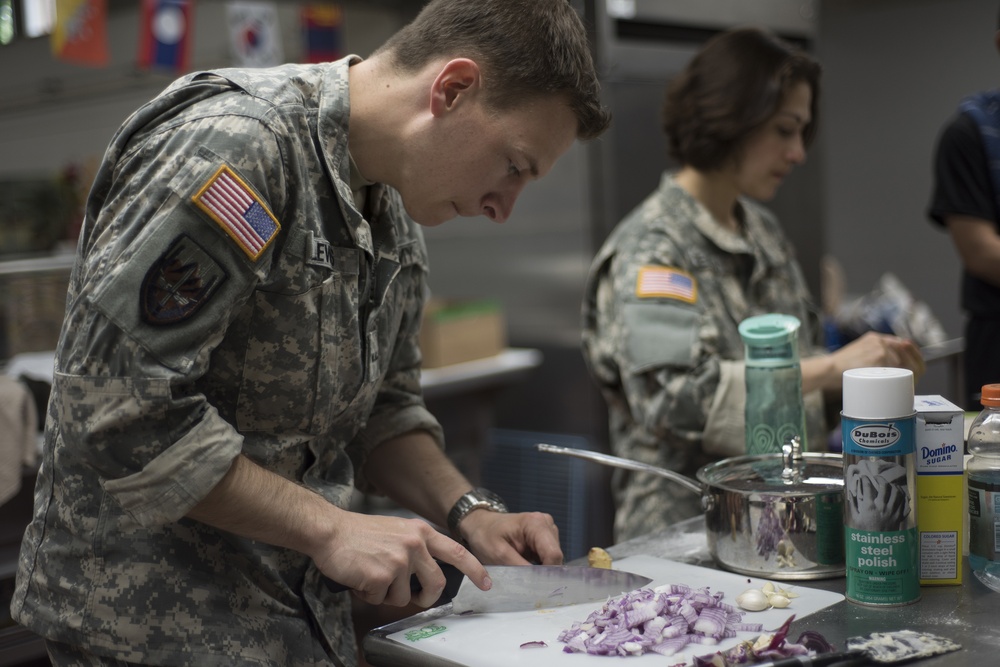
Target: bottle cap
x: 878, y: 393
x: 991, y: 395
x: 771, y: 339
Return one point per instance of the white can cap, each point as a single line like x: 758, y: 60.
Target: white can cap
x: 878, y: 393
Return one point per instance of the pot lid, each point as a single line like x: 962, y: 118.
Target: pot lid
x: 806, y: 475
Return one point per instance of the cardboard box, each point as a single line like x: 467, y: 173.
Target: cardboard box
x: 457, y: 331
x: 941, y: 507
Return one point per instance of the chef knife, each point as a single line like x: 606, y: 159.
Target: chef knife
x: 527, y: 587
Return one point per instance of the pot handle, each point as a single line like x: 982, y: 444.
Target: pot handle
x: 616, y: 462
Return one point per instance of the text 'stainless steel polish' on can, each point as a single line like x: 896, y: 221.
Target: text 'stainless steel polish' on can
x: 880, y: 522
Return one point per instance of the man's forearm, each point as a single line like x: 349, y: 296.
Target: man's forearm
x: 259, y: 504
x: 413, y: 471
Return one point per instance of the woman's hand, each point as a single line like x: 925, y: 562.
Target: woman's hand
x: 876, y: 349
x: 870, y: 350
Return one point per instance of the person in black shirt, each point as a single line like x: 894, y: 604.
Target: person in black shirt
x: 966, y: 201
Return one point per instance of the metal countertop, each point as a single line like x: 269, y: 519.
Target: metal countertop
x: 968, y: 614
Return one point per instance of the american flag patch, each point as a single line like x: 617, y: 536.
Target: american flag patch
x: 231, y: 203
x: 659, y: 281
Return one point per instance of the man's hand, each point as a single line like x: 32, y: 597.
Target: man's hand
x: 375, y: 555
x: 372, y: 555
x: 512, y: 539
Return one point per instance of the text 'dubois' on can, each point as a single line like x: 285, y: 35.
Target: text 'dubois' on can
x: 880, y: 523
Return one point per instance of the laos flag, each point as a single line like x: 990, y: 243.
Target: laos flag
x: 165, y: 34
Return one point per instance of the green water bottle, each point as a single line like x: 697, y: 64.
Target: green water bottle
x: 774, y: 412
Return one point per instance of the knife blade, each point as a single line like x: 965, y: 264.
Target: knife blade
x: 527, y: 587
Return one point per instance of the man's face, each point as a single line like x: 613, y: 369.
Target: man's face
x: 477, y: 161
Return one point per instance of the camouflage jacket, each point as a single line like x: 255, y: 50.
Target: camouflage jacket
x: 663, y: 301
x: 226, y: 300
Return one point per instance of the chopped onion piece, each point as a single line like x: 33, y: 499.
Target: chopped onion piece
x: 535, y: 644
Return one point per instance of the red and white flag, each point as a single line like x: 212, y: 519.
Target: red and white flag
x: 254, y: 34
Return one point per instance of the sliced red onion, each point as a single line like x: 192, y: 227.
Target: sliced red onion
x: 534, y: 644
x: 662, y: 620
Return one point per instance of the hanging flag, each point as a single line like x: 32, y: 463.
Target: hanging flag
x: 254, y: 37
x: 321, y: 25
x: 80, y: 34
x: 165, y: 34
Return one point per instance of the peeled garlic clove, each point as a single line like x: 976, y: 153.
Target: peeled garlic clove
x: 779, y: 601
x: 598, y: 557
x: 752, y: 599
x: 768, y: 588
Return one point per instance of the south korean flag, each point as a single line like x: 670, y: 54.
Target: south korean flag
x: 254, y: 34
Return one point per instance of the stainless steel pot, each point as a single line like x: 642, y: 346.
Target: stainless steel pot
x: 778, y: 516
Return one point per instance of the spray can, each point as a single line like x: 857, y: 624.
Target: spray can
x: 880, y: 522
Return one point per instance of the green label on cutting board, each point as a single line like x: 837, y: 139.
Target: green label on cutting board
x: 425, y: 632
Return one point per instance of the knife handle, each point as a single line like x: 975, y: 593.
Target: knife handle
x: 337, y: 587
x: 453, y: 579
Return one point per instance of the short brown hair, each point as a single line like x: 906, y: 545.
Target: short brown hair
x: 525, y: 48
x: 734, y: 85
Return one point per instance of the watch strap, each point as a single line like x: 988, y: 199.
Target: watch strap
x: 478, y: 498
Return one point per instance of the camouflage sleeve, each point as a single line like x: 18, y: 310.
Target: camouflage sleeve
x: 725, y: 424
x: 665, y: 346
x: 154, y: 292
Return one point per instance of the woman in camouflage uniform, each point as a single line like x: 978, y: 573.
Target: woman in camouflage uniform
x: 673, y: 281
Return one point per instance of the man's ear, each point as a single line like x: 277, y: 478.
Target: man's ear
x: 458, y: 80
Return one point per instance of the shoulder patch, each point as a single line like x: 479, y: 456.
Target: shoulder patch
x: 228, y: 200
x: 179, y: 282
x: 662, y: 281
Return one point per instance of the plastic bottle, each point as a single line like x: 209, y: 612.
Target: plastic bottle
x: 774, y: 412
x: 984, y: 490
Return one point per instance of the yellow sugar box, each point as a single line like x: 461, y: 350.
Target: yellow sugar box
x: 940, y: 445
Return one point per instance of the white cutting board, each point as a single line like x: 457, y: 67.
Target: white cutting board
x: 494, y: 640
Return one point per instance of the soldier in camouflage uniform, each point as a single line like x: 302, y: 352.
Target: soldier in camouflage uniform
x: 240, y: 348
x: 668, y: 289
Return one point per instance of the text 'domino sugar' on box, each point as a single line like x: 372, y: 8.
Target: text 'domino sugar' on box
x: 940, y: 445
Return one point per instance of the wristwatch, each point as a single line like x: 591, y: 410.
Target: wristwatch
x: 476, y: 499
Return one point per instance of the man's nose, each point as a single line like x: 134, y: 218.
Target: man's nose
x: 498, y: 206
